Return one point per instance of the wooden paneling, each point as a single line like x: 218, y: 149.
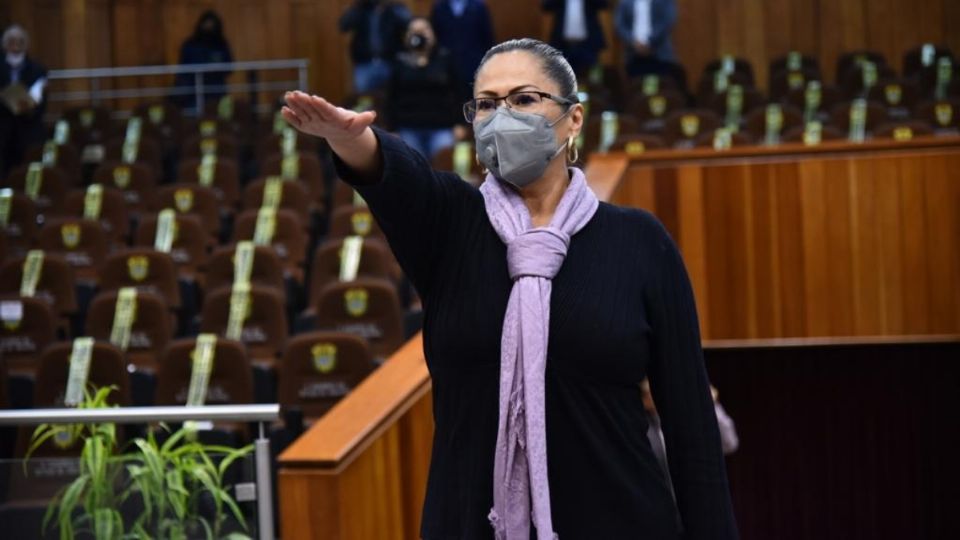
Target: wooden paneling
x: 857, y: 241
x: 142, y: 32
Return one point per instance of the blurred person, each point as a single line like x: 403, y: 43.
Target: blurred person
x: 577, y: 32
x: 645, y: 27
x: 464, y: 28
x: 422, y: 104
x: 207, y: 45
x: 22, y: 84
x: 378, y: 27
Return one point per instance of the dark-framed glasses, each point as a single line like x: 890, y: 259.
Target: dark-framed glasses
x: 526, y: 101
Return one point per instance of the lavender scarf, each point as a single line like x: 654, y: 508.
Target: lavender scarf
x: 534, y: 256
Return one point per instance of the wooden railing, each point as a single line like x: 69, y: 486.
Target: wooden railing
x: 360, y: 471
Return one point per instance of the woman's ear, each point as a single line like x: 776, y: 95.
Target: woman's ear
x: 576, y: 120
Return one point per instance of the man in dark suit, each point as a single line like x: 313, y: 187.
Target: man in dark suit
x: 576, y: 31
x: 24, y: 79
x: 464, y: 28
x: 645, y: 27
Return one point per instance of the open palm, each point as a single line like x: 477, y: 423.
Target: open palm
x: 316, y: 116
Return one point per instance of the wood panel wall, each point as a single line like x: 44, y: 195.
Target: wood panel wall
x: 96, y: 33
x: 856, y: 244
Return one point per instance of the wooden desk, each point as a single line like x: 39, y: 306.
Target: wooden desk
x: 840, y: 239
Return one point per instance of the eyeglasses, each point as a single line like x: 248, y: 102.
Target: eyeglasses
x: 526, y: 101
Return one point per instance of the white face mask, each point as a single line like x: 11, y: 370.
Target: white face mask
x: 15, y: 59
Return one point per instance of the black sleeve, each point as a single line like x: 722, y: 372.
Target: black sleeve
x: 349, y: 19
x: 678, y: 381
x: 414, y: 205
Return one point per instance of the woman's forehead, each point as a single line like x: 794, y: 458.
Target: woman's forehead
x: 510, y: 70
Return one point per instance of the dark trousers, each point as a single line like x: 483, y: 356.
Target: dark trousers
x: 17, y: 133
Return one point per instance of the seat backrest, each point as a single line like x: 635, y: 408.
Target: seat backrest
x: 137, y: 181
x: 737, y: 139
x: 794, y: 61
x: 54, y: 285
x: 289, y: 238
x: 319, y: 368
x: 193, y: 199
x: 225, y: 179
x: 21, y: 226
x: 682, y: 128
x: 594, y: 136
x: 82, y: 242
x: 840, y: 116
x: 265, y: 328
x: 51, y: 191
x: 914, y: 61
x: 354, y: 220
x: 757, y: 125
x: 113, y: 211
x: 267, y: 268
x: 190, y: 240
x: 65, y: 157
x: 943, y: 115
x: 655, y: 107
x: 146, y: 269
x: 829, y: 97
x: 309, y: 170
x: 828, y: 133
x: 851, y: 59
x: 637, y: 143
x: 231, y: 376
x: 220, y: 145
x: 88, y: 125
x: 27, y: 326
x: 151, y: 331
x: 375, y: 261
x: 853, y: 83
x: 293, y: 197
x: 443, y: 160
x: 903, y: 130
x: 272, y: 143
x: 166, y: 117
x: 149, y: 151
x: 107, y: 368
x: 751, y: 99
x: 783, y: 81
x: 899, y: 96
x: 366, y: 307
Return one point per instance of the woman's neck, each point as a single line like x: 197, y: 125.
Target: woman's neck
x: 543, y: 197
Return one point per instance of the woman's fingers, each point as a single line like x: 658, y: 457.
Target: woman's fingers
x: 291, y: 117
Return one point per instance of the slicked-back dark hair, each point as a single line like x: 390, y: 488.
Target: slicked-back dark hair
x: 555, y: 66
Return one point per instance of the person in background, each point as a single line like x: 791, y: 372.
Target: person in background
x: 576, y: 31
x: 207, y: 45
x: 377, y: 27
x: 22, y: 84
x: 421, y: 101
x: 464, y: 28
x: 645, y: 27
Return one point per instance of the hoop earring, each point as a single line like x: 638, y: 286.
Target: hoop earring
x: 573, y: 153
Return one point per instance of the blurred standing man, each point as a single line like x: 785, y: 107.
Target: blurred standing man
x: 378, y: 27
x: 576, y: 31
x: 22, y: 83
x: 207, y: 45
x: 464, y: 28
x: 645, y: 27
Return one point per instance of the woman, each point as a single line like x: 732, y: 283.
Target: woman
x: 207, y: 45
x: 421, y: 104
x: 544, y: 310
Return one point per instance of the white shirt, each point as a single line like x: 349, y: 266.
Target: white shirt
x: 574, y: 21
x: 642, y: 27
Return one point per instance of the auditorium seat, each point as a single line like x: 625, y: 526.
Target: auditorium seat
x: 288, y: 239
x: 898, y: 96
x: 940, y: 82
x: 166, y: 117
x: 769, y: 124
x: 815, y: 100
x: 88, y: 125
x: 82, y: 242
x: 266, y: 271
x: 840, y: 116
x: 682, y: 128
x: 724, y: 139
x: 49, y: 192
x: 857, y: 80
x: 602, y: 130
x: 794, y: 60
x: 65, y: 157
x: 461, y: 158
x: 735, y: 103
x: 652, y: 110
x: 54, y: 283
x: 19, y: 221
x: 221, y: 174
x: 148, y: 152
x: 732, y: 65
x: 272, y: 143
x: 220, y: 145
x: 152, y: 329
x: 653, y: 84
x: 851, y: 59
x: 303, y: 166
x: 366, y: 307
x: 293, y: 197
x: 903, y: 130
x: 637, y: 143
x: 29, y: 325
x: 191, y: 242
x: 943, y: 115
x: 375, y: 261
x: 137, y: 182
x: 107, y: 368
x: 265, y: 327
x: 354, y: 220
x: 192, y: 199
x: 319, y: 368
x: 146, y: 269
x: 826, y: 133
x: 112, y: 211
x: 784, y: 81
x: 923, y: 58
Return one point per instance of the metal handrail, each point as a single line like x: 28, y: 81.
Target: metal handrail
x: 133, y: 71
x: 139, y: 415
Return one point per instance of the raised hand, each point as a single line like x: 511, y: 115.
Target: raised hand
x: 316, y: 116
